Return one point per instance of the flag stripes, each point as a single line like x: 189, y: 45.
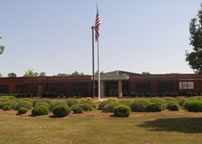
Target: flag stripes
x: 97, y: 24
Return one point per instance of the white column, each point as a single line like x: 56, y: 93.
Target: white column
x: 120, y: 93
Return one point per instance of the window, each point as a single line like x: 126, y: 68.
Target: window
x: 186, y: 85
x: 200, y: 86
x: 143, y: 87
x: 58, y: 88
x: 21, y: 88
x: 3, y: 88
x: 165, y: 86
x: 80, y: 89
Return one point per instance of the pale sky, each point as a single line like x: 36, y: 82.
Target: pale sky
x: 54, y: 36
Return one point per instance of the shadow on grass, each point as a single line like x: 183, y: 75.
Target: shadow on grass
x: 185, y: 125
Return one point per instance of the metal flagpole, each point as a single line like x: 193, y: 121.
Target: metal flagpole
x: 93, y: 65
x: 98, y: 64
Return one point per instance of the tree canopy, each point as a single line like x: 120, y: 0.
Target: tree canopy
x: 195, y: 58
x: 1, y: 48
x: 12, y: 75
x: 30, y: 73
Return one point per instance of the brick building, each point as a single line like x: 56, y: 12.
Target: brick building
x: 116, y: 83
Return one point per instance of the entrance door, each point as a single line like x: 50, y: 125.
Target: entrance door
x: 111, y: 88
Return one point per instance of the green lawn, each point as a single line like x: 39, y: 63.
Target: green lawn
x: 101, y: 128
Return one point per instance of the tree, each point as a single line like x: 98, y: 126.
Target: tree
x: 195, y: 58
x: 30, y: 73
x: 75, y: 74
x: 146, y: 73
x: 62, y: 74
x: 1, y: 48
x: 12, y: 75
x: 42, y: 74
x: 101, y: 72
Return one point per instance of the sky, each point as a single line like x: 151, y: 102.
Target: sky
x: 54, y: 36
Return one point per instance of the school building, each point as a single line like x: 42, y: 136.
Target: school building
x: 116, y: 83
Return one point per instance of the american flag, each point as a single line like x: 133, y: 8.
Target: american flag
x: 97, y: 24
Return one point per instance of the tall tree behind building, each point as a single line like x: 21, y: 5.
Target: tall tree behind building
x: 1, y: 48
x: 195, y: 58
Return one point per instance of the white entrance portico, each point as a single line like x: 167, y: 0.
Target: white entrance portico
x: 112, y: 83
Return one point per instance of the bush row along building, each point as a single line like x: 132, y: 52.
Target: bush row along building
x: 116, y: 83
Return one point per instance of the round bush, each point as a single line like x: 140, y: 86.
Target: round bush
x: 7, y: 108
x: 86, y: 107
x: 173, y: 107
x: 139, y: 105
x: 194, y: 106
x: 126, y: 102
x: 122, y: 111
x: 154, y: 107
x: 110, y: 107
x: 113, y: 99
x: 160, y: 101
x: 40, y: 110
x: 90, y: 103
x: 22, y: 110
x: 181, y: 100
x: 103, y: 103
x: 61, y: 110
x: 25, y: 104
x: 42, y: 103
x: 70, y: 102
x: 77, y: 109
x: 55, y: 103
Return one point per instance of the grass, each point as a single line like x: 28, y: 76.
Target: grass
x: 101, y: 128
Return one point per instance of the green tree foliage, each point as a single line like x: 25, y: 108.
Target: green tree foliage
x: 1, y: 48
x: 76, y: 73
x: 101, y: 72
x: 146, y: 73
x: 30, y: 73
x: 12, y: 75
x: 195, y: 58
x: 62, y: 74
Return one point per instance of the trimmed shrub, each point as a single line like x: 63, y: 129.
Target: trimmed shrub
x: 42, y: 101
x: 12, y: 103
x: 110, y: 107
x: 25, y: 104
x: 112, y: 99
x: 86, y: 107
x: 194, y: 106
x: 87, y: 99
x: 173, y: 107
x: 70, y: 102
x: 126, y: 102
x: 7, y: 108
x: 139, y: 105
x: 122, y: 111
x: 154, y: 107
x: 181, y: 100
x: 61, y: 110
x: 40, y: 110
x: 103, y: 103
x: 160, y: 101
x: 77, y: 109
x: 90, y: 103
x: 22, y: 110
x: 55, y: 103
